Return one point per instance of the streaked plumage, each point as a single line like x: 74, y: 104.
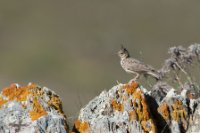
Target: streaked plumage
x: 131, y: 65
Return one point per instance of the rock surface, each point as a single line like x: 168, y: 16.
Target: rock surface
x: 123, y: 109
x: 129, y: 108
x: 31, y: 109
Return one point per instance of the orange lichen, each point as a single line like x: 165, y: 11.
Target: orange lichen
x: 146, y: 114
x: 163, y: 109
x: 130, y: 88
x: 177, y: 105
x: 2, y: 101
x: 134, y: 84
x: 142, y: 111
x: 37, y: 111
x: 139, y: 102
x: 178, y: 112
x: 132, y: 115
x: 117, y: 106
x: 81, y: 126
x: 137, y: 95
x: 17, y: 93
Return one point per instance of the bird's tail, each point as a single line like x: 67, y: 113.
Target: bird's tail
x: 155, y: 74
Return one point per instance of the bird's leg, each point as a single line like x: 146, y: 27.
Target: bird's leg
x: 135, y: 78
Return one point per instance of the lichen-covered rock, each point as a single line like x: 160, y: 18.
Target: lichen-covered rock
x: 194, y: 126
x: 175, y: 112
x: 180, y: 112
x: 123, y: 109
x: 31, y: 109
x: 129, y: 108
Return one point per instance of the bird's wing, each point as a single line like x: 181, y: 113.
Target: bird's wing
x: 137, y: 66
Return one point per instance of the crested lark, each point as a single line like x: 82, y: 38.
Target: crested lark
x: 131, y: 65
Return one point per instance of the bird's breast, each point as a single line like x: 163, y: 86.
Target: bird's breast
x: 123, y: 64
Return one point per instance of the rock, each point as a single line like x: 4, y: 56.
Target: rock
x: 178, y: 111
x: 194, y: 126
x: 130, y: 108
x: 159, y: 91
x: 175, y: 112
x: 123, y: 109
x: 31, y: 109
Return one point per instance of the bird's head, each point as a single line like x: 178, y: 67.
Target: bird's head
x: 123, y: 53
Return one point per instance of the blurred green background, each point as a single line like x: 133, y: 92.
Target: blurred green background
x: 70, y: 46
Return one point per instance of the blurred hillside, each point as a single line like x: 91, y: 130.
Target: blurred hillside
x: 71, y: 45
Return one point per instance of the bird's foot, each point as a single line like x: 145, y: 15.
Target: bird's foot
x: 133, y: 80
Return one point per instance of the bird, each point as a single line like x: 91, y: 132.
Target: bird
x: 136, y: 67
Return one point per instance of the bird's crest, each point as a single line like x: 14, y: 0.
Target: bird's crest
x: 123, y: 49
